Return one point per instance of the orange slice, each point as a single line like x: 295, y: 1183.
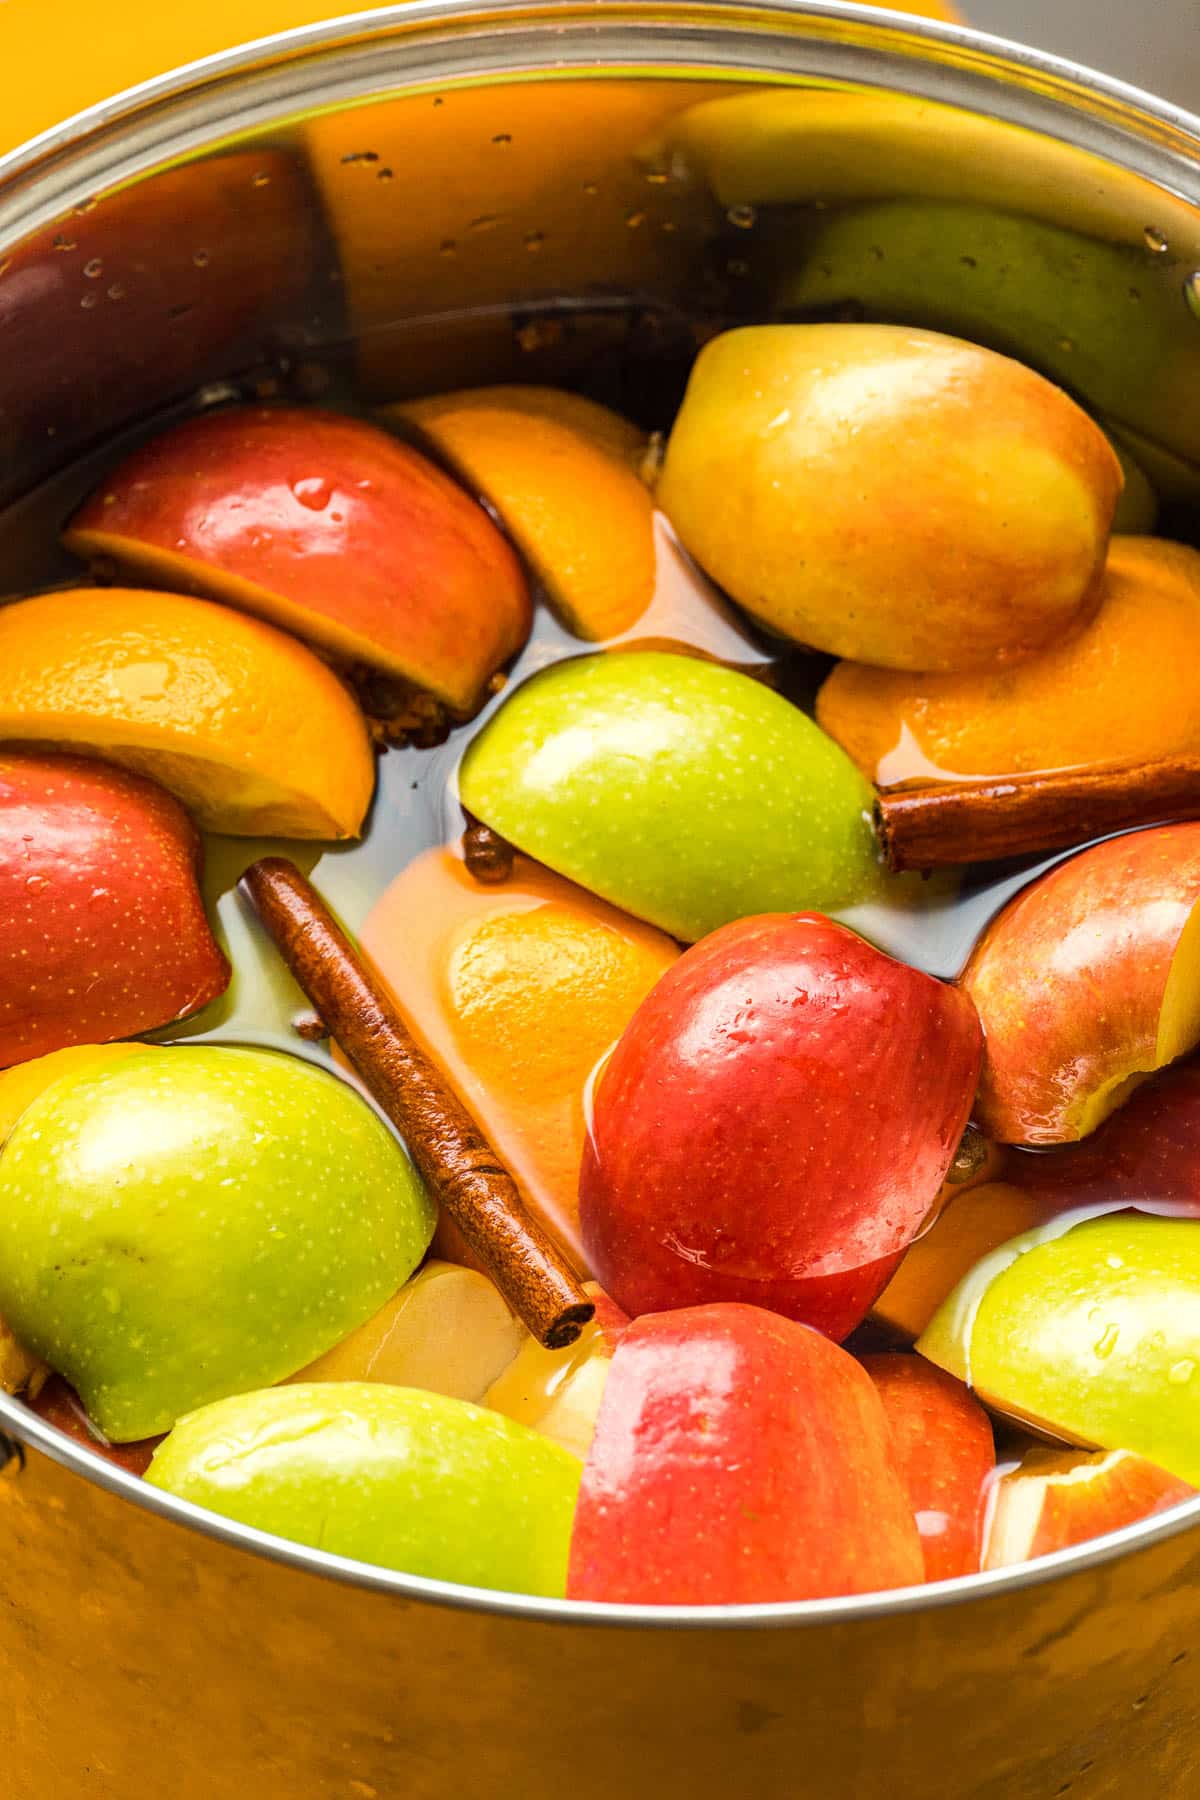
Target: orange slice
x: 248, y: 728
x: 557, y: 470
x: 518, y: 991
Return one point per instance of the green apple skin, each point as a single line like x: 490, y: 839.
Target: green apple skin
x: 191, y: 1222
x: 396, y: 1476
x: 1092, y: 1333
x: 679, y: 790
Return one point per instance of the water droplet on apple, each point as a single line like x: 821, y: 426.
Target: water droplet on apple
x: 1181, y: 1373
x: 1155, y: 241
x: 37, y: 883
x: 1106, y: 1343
x: 744, y: 217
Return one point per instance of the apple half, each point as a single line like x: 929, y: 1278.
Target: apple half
x: 1086, y: 983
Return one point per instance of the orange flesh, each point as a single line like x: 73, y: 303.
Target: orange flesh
x: 518, y: 991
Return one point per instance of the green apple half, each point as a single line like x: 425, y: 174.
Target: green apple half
x: 684, y: 792
x: 186, y: 1223
x: 1090, y: 1331
x: 388, y: 1475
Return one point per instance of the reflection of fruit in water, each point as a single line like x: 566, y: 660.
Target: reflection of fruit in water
x: 517, y: 991
x: 245, y: 725
x: 686, y: 793
x: 1120, y: 688
x: 186, y: 1223
x: 780, y: 478
x: 410, y: 1480
x: 1087, y: 982
x: 571, y: 502
x: 448, y: 1330
x: 104, y: 930
x: 1090, y: 1333
x: 325, y: 526
x: 1056, y: 1498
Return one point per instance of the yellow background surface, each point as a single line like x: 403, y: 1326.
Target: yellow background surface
x: 57, y: 56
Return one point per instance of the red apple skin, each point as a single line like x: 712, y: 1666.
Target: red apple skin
x: 1058, y: 1498
x: 326, y: 526
x: 1145, y: 1155
x: 775, y: 1123
x: 1069, y: 981
x: 60, y: 1405
x: 944, y: 1451
x: 105, y: 933
x: 738, y: 1457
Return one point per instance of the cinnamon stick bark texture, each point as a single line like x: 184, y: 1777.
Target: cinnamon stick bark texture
x: 934, y: 825
x: 460, y: 1167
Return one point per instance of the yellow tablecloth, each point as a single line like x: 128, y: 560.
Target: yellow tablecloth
x: 57, y: 56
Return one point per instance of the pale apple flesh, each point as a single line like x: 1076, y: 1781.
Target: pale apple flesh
x: 448, y: 1330
x: 1054, y: 1499
x: 558, y: 1392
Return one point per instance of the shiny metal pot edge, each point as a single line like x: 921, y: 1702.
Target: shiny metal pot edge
x: 428, y: 42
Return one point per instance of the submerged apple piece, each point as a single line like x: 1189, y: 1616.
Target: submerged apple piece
x: 248, y: 728
x: 22, y: 1084
x: 559, y: 472
x: 775, y: 1124
x: 942, y: 1442
x: 449, y: 1330
x: 1087, y: 982
x: 1088, y: 1331
x: 192, y: 1221
x: 558, y: 1392
x: 517, y: 991
x: 1146, y: 1154
x: 968, y: 1227
x: 780, y: 478
x: 409, y: 1480
x: 104, y: 930
x: 1056, y: 1498
x: 327, y: 526
x: 738, y: 1457
x: 683, y: 792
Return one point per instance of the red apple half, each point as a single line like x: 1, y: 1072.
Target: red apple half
x: 775, y: 1123
x: 326, y: 526
x: 1087, y: 982
x: 1058, y: 1498
x: 945, y: 1455
x: 738, y: 1457
x: 104, y: 930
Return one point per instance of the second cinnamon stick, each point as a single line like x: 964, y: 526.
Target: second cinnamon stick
x: 458, y: 1164
x: 934, y: 825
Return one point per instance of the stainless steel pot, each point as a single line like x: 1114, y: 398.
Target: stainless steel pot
x: 456, y: 191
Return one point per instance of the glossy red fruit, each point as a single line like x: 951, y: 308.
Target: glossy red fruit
x: 328, y: 527
x: 738, y: 1457
x: 104, y: 930
x: 775, y: 1124
x: 945, y: 1455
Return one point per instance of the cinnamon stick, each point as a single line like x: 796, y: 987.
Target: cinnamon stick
x: 934, y: 825
x: 458, y: 1164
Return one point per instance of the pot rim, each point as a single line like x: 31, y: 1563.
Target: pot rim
x: 177, y: 113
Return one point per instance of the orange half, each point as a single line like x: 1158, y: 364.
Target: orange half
x: 254, y: 734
